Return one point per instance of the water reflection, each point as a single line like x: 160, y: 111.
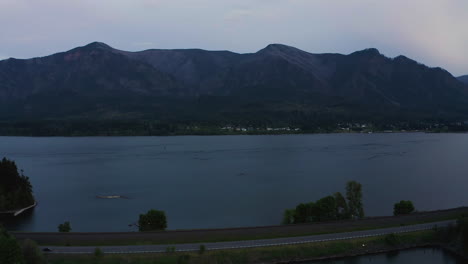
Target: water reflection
x: 412, y: 256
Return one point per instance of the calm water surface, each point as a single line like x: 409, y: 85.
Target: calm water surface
x: 226, y: 181
x: 413, y: 256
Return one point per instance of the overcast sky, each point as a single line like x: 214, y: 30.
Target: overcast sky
x: 432, y: 32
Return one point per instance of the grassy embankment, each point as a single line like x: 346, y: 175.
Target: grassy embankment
x: 277, y: 254
x: 221, y: 235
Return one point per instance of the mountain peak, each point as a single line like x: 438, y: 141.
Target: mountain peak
x: 277, y: 48
x: 404, y: 59
x: 98, y: 45
x: 367, y: 52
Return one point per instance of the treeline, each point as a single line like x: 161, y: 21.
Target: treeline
x: 167, y: 127
x: 329, y: 208
x: 15, y: 188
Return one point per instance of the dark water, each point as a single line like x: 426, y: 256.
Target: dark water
x: 226, y: 181
x: 413, y: 256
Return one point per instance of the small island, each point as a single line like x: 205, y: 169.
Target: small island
x: 16, y: 194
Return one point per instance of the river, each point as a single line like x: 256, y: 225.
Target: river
x: 230, y: 181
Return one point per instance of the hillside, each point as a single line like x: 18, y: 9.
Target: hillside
x: 278, y: 84
x: 463, y: 79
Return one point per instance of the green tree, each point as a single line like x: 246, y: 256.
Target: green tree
x: 341, y: 206
x: 10, y: 250
x: 65, y: 227
x: 288, y: 216
x: 354, y: 196
x: 98, y: 252
x: 31, y: 252
x: 202, y: 249
x: 326, y: 209
x: 153, y: 220
x: 15, y: 188
x: 301, y: 214
x: 403, y: 207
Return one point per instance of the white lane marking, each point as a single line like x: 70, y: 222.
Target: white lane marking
x: 407, y: 230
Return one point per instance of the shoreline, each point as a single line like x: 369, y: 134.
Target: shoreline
x: 16, y: 212
x: 236, y: 234
x: 377, y: 252
x: 236, y: 134
x: 291, y: 254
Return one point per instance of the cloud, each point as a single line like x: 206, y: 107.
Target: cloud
x: 432, y: 32
x: 237, y: 15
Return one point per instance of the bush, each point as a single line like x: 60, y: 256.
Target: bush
x: 403, y: 207
x: 392, y: 240
x: 183, y: 259
x: 170, y: 249
x: 153, y: 220
x: 98, y: 252
x: 65, y: 227
x: 31, y: 252
x: 10, y: 250
x: 202, y: 249
x: 288, y: 216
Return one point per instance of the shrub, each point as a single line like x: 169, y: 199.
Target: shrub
x: 202, y: 249
x: 170, y: 249
x: 65, y: 227
x: 403, y: 207
x: 98, y: 252
x: 153, y: 220
x: 10, y: 250
x: 31, y: 252
x: 392, y: 240
x: 183, y: 259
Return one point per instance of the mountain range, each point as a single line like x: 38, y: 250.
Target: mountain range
x: 276, y: 84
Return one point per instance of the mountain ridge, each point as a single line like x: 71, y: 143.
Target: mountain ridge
x: 463, y: 78
x: 277, y: 82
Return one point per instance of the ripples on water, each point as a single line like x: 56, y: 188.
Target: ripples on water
x: 227, y: 181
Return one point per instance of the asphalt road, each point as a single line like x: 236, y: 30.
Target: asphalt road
x: 247, y: 243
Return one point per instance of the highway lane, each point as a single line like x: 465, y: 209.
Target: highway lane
x: 247, y: 243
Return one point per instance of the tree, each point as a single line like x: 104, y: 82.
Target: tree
x: 288, y: 216
x: 341, y: 206
x: 98, y: 252
x: 202, y: 249
x: 15, y: 188
x: 354, y: 196
x: 65, y: 227
x: 10, y: 250
x: 300, y: 215
x: 31, y: 252
x: 403, y: 207
x: 153, y: 220
x: 326, y: 208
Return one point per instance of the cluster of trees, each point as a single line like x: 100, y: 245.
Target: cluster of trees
x: 11, y: 251
x: 15, y: 188
x: 333, y: 207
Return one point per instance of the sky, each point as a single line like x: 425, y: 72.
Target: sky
x: 432, y: 32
